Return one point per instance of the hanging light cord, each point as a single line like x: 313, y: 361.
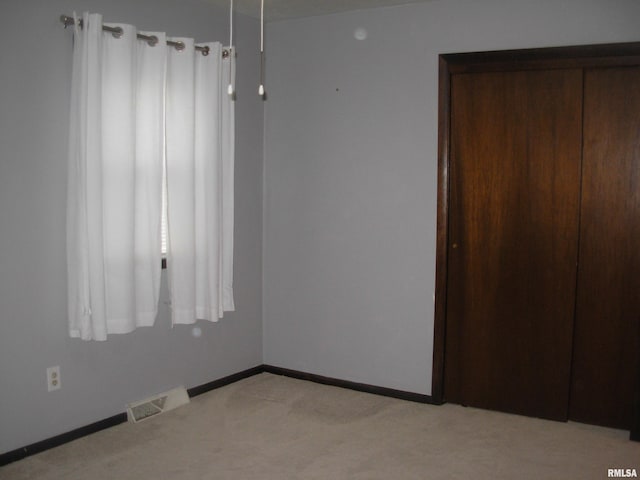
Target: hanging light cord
x: 231, y: 53
x: 261, y: 88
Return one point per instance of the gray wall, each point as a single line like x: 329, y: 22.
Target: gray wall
x: 99, y: 378
x: 351, y: 173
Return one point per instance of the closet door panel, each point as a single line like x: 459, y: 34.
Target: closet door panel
x: 608, y: 298
x: 513, y: 229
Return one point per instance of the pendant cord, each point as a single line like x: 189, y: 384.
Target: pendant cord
x: 230, y: 89
x: 261, y: 88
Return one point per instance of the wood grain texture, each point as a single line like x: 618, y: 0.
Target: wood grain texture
x: 605, y: 366
x: 446, y: 375
x: 513, y: 229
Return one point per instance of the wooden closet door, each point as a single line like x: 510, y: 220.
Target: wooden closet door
x: 513, y: 230
x: 608, y: 299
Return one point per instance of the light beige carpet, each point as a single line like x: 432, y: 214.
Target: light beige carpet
x: 272, y: 427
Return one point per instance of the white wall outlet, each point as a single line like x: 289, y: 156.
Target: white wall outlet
x: 53, y: 378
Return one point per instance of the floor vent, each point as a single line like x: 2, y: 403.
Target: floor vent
x: 163, y: 402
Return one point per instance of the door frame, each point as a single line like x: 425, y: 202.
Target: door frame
x: 618, y: 54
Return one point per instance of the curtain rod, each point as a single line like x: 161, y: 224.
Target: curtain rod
x: 152, y: 40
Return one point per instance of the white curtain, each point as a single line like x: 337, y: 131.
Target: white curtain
x: 125, y: 94
x: 200, y: 162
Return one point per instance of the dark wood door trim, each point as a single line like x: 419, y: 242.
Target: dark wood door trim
x: 635, y: 424
x: 442, y: 239
x: 449, y: 64
x: 616, y: 54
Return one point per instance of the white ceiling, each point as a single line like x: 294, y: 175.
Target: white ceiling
x: 283, y: 9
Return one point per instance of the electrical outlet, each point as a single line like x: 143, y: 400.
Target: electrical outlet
x: 53, y: 378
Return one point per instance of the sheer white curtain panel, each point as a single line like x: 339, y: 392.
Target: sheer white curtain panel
x: 123, y: 100
x: 200, y: 143
x: 114, y: 181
